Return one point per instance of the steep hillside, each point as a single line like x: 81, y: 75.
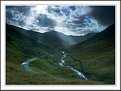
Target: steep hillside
x: 97, y: 55
x: 22, y: 45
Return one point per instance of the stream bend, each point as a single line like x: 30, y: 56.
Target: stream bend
x: 62, y: 62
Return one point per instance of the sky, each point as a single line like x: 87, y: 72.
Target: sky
x: 70, y: 20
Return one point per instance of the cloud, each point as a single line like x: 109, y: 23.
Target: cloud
x: 27, y: 18
x: 44, y: 21
x: 70, y: 20
x: 16, y: 15
x: 104, y: 14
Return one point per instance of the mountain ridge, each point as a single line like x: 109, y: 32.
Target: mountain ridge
x: 97, y: 55
x: 56, y: 36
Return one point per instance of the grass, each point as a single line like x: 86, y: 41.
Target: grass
x: 95, y: 57
x: 16, y: 75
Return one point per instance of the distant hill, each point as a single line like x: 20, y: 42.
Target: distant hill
x: 97, y: 55
x: 43, y: 39
x: 71, y: 40
x: 79, y: 39
x: 52, y: 38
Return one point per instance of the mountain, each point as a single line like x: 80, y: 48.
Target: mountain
x: 24, y: 41
x: 69, y: 39
x: 33, y: 43
x: 79, y: 39
x: 93, y: 54
x: 45, y: 39
x: 22, y: 45
x: 52, y: 38
x: 97, y: 55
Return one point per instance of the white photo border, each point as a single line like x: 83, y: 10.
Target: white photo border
x: 61, y: 87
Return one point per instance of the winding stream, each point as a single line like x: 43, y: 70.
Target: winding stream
x: 62, y: 62
x: 25, y: 66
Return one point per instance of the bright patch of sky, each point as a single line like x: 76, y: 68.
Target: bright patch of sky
x: 70, y: 20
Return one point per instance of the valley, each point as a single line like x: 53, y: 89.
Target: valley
x: 26, y: 67
x: 36, y: 58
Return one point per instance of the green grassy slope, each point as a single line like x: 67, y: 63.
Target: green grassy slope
x: 97, y: 56
x: 21, y: 45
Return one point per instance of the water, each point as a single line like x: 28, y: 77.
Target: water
x: 25, y: 65
x: 62, y: 62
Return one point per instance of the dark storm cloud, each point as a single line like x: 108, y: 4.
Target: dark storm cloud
x: 70, y: 20
x: 25, y: 10
x: 79, y: 20
x: 16, y: 15
x: 56, y: 10
x: 103, y: 14
x: 72, y: 8
x: 24, y: 17
x: 44, y: 21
